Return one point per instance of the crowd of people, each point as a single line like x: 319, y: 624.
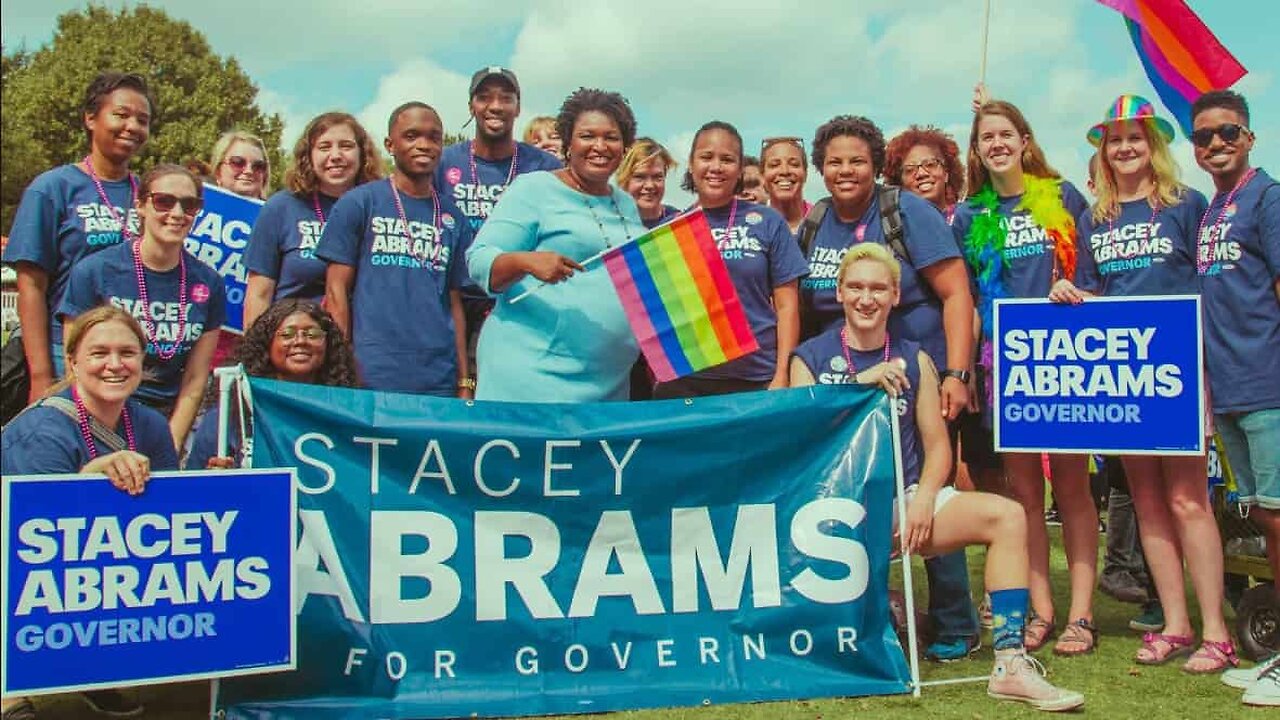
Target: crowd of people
x: 406, y: 282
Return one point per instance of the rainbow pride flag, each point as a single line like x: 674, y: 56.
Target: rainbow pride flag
x: 1181, y: 56
x: 679, y: 299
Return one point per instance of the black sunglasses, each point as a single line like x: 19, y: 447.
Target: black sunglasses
x: 238, y: 164
x: 166, y: 202
x: 1229, y: 132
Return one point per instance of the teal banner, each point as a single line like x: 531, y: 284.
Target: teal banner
x: 464, y: 559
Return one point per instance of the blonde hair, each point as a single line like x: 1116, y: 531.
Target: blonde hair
x: 642, y: 151
x: 1168, y: 190
x: 229, y: 138
x: 874, y: 252
x: 539, y: 124
x: 1033, y: 160
x: 81, y: 326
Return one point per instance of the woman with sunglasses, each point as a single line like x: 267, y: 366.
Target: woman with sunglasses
x: 179, y: 300
x: 1145, y: 214
x: 295, y: 341
x: 643, y: 175
x: 784, y: 168
x: 763, y: 261
x: 1018, y: 229
x: 333, y: 155
x: 67, y: 214
x: 240, y: 164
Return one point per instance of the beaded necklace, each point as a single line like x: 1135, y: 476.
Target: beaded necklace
x: 511, y: 172
x: 82, y: 417
x: 315, y: 205
x: 848, y: 359
x: 1204, y: 250
x: 404, y: 219
x: 600, y: 224
x: 148, y: 323
x: 125, y: 232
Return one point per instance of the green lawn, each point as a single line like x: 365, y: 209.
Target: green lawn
x: 1114, y: 686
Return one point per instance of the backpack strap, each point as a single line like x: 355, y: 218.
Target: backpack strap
x: 809, y: 225
x: 891, y: 221
x: 101, y: 432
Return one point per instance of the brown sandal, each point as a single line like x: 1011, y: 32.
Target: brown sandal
x: 1080, y: 633
x: 1037, y: 632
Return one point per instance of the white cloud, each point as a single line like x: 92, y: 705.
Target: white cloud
x: 418, y: 79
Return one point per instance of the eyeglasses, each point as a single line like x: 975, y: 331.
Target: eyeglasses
x: 789, y: 139
x: 166, y: 202
x: 311, y: 333
x: 237, y: 163
x: 1229, y: 132
x: 930, y: 165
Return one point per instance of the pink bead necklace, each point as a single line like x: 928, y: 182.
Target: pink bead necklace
x: 315, y: 205
x: 404, y: 219
x: 511, y: 172
x: 848, y: 359
x: 82, y: 415
x: 148, y: 322
x: 125, y: 232
x: 1204, y: 250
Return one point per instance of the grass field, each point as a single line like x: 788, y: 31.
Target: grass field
x: 1114, y: 686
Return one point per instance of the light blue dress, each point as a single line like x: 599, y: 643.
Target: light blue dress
x: 568, y: 342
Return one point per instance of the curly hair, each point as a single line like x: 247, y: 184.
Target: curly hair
x: 1033, y: 160
x: 686, y: 183
x: 301, y: 179
x: 1224, y: 99
x: 254, y: 352
x: 108, y: 82
x: 940, y: 142
x: 849, y: 126
x: 585, y: 100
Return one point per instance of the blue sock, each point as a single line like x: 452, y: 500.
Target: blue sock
x: 1008, y: 617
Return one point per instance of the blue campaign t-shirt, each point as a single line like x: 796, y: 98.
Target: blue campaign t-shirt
x: 108, y: 278
x: 43, y: 440
x: 1241, y: 311
x: 62, y: 219
x: 401, y: 324
x: 668, y: 212
x: 761, y: 254
x: 283, y: 243
x: 824, y: 355
x: 1028, y: 250
x: 928, y: 240
x: 1147, y: 252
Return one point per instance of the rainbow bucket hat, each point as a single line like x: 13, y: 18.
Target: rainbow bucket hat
x: 1129, y: 107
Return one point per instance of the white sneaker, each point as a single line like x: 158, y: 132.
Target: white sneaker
x: 1020, y: 677
x: 1265, y: 691
x: 1242, y: 678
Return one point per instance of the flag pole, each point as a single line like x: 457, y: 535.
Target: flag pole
x: 593, y: 259
x: 986, y: 32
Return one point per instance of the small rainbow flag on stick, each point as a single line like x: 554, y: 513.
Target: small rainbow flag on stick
x: 679, y: 299
x: 1182, y: 57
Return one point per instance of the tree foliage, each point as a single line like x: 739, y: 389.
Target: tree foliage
x: 199, y: 94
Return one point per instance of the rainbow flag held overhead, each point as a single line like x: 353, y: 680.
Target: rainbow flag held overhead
x: 679, y: 299
x: 1181, y: 56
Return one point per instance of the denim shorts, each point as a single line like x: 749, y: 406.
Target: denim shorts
x: 1252, y: 441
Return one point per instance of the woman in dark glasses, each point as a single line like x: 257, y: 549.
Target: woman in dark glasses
x: 783, y: 165
x: 240, y: 164
x: 178, y: 300
x: 67, y: 214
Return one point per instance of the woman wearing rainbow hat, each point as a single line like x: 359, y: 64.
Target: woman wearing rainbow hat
x: 1142, y: 233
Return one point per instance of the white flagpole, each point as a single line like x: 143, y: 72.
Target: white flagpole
x: 986, y: 32
x: 593, y: 259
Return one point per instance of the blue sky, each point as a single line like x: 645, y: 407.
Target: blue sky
x: 772, y: 67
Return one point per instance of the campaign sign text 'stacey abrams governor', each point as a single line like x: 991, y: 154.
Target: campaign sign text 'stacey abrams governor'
x: 1110, y: 375
x: 511, y: 559
x: 190, y: 579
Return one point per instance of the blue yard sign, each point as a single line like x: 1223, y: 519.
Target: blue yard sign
x: 219, y: 237
x: 191, y: 579
x: 1111, y: 375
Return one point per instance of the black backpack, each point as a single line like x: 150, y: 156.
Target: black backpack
x: 890, y: 222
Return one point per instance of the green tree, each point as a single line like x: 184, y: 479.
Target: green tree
x: 199, y: 94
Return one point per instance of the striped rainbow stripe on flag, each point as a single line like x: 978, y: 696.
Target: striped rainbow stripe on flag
x: 676, y: 292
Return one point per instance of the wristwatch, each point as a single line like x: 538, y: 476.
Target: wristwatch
x: 467, y: 384
x: 961, y: 375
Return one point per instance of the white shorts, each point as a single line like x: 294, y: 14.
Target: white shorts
x: 944, y: 496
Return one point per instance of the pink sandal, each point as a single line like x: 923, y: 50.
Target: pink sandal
x: 1159, y: 649
x: 1214, y: 657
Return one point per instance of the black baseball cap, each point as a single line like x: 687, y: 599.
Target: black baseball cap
x: 485, y: 73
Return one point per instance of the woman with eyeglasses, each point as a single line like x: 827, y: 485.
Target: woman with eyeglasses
x: 763, y: 261
x: 240, y: 164
x: 643, y: 175
x: 66, y: 215
x: 294, y: 340
x: 784, y: 168
x: 333, y: 155
x: 1019, y: 231
x: 179, y: 300
x: 926, y: 161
